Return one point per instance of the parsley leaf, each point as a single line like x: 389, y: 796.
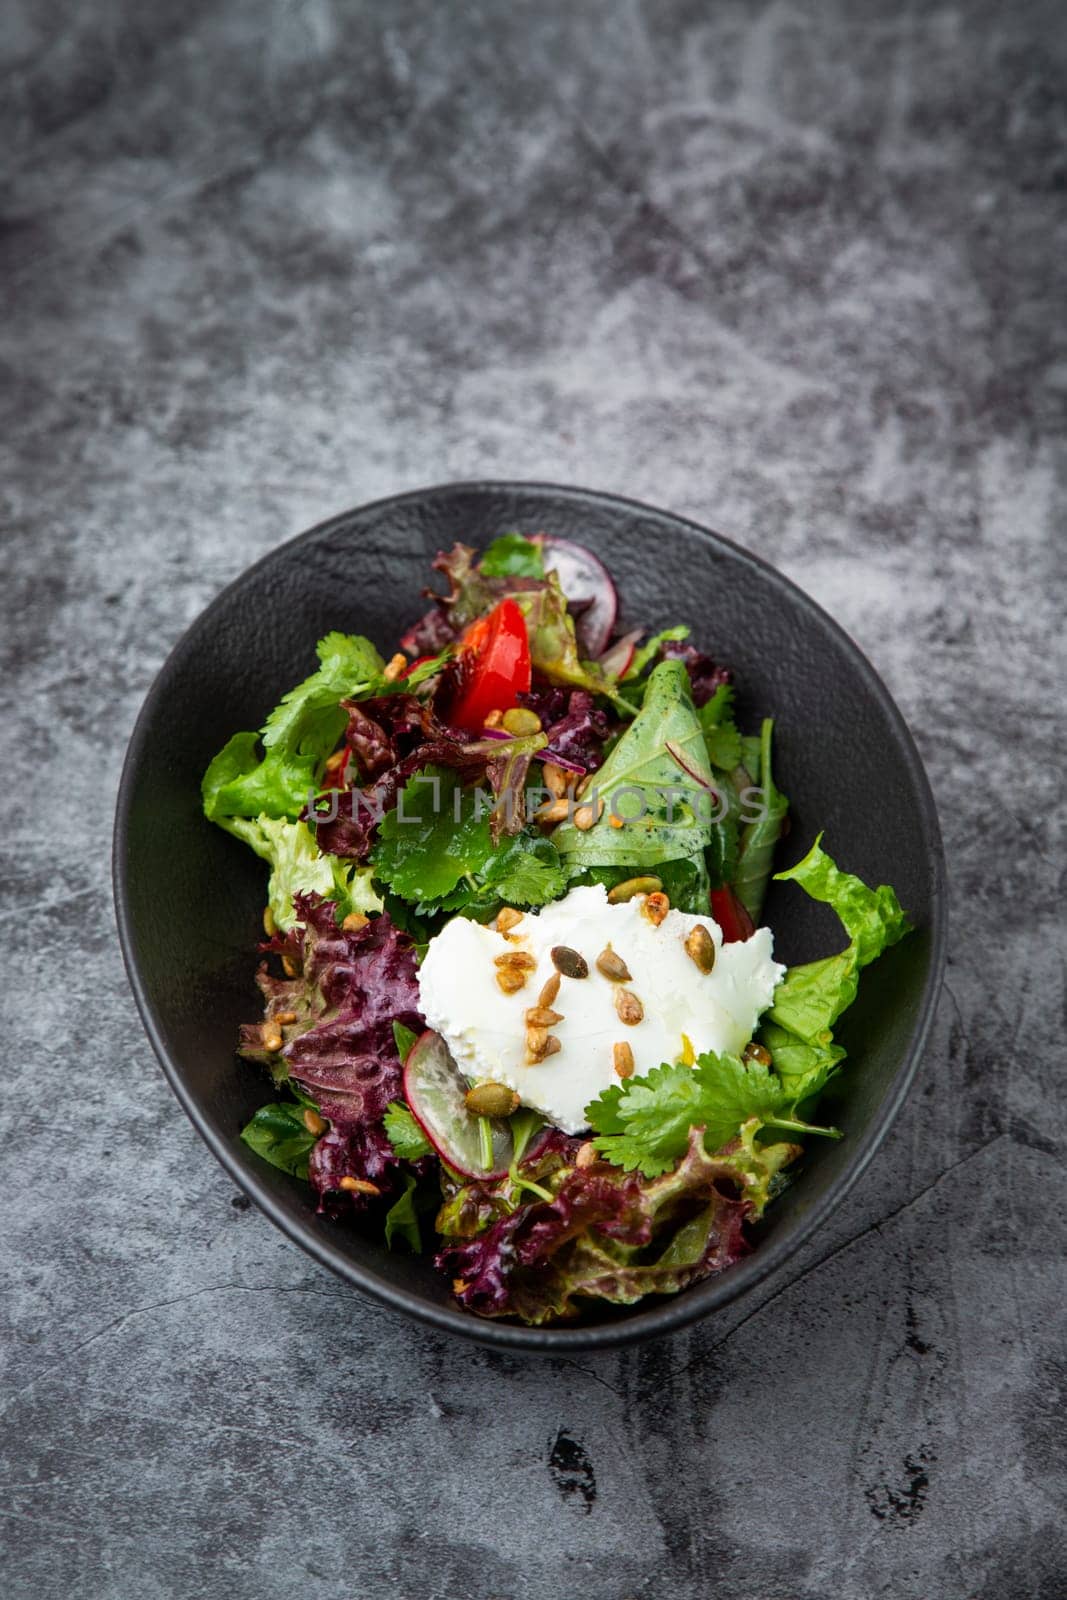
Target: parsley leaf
x: 643, y: 1124
x: 404, y: 1133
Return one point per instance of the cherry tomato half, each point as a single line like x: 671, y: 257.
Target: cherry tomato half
x: 494, y: 666
x: 730, y: 914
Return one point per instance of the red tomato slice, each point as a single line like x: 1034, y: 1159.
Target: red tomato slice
x: 730, y: 914
x: 494, y: 667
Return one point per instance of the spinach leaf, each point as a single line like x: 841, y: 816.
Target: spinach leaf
x: 277, y: 1133
x: 641, y: 773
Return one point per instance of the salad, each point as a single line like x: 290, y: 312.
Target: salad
x: 519, y: 1009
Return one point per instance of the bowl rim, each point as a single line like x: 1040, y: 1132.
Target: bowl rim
x: 701, y: 1299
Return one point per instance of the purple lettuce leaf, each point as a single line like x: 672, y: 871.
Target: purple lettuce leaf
x: 576, y: 726
x: 350, y: 987
x: 605, y: 1236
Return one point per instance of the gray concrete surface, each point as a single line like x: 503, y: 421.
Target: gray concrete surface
x: 794, y: 269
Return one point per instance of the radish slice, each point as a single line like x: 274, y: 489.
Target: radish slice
x: 590, y: 592
x: 435, y: 1088
x: 616, y: 661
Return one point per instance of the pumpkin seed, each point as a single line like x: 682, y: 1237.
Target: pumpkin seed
x: 756, y: 1052
x: 631, y: 886
x: 656, y: 907
x: 700, y: 948
x: 623, y: 1060
x: 629, y: 1007
x: 490, y: 1100
x: 613, y: 966
x: 569, y: 962
x: 521, y: 720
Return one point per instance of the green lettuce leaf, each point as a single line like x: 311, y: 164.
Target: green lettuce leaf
x: 640, y: 769
x: 798, y: 1028
x: 644, y: 1123
x: 872, y: 918
x: 298, y: 866
x: 297, y: 737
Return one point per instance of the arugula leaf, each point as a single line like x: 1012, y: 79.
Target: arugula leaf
x: 643, y: 1124
x: 298, y: 866
x: 404, y: 1038
x: 297, y: 737
x: 512, y: 556
x: 759, y: 838
x: 645, y: 654
x: 642, y: 766
x: 436, y: 850
x: 277, y: 1133
x: 401, y: 1220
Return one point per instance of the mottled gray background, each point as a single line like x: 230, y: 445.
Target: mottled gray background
x: 794, y: 269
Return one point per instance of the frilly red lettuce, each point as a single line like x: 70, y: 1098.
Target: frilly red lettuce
x: 704, y: 675
x: 575, y: 725
x: 350, y: 988
x: 615, y: 1237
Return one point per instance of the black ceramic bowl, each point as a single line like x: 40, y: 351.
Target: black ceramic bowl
x: 189, y: 897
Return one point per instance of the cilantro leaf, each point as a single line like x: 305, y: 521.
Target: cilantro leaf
x: 436, y: 851
x: 297, y: 737
x: 512, y: 556
x: 404, y: 1133
x: 644, y: 1123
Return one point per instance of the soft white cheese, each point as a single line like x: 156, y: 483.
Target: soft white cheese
x: 485, y: 1029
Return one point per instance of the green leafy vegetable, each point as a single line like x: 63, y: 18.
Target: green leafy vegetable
x: 554, y: 646
x: 404, y: 1038
x: 436, y: 850
x: 297, y: 737
x: 277, y: 1133
x: 721, y: 737
x: 758, y: 838
x: 512, y: 556
x: 401, y: 1220
x: 404, y: 1133
x: 798, y: 1027
x: 299, y: 867
x: 873, y: 918
x: 641, y: 774
x: 645, y: 654
x: 643, y: 1124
